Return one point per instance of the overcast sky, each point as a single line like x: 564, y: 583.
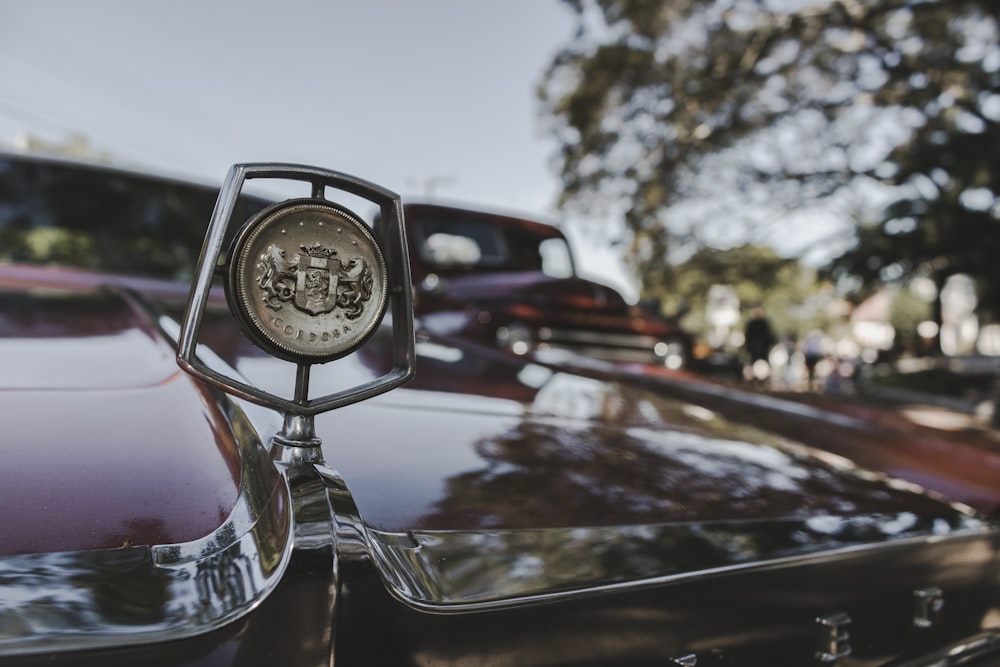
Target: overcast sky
x: 433, y: 97
x: 397, y: 92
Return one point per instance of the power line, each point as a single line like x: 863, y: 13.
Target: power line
x: 23, y: 115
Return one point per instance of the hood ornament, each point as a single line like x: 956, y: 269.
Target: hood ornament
x: 309, y: 282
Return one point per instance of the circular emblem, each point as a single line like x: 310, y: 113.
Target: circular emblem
x: 307, y: 280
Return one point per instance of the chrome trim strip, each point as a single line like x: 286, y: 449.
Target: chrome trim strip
x: 259, y: 494
x: 52, y: 603
x: 68, y: 601
x: 600, y: 339
x: 609, y: 354
x: 97, y: 599
x: 966, y: 651
x: 468, y: 571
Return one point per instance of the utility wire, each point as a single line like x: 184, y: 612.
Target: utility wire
x: 23, y: 115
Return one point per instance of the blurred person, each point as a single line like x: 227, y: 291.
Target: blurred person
x: 759, y: 338
x: 836, y: 381
x: 812, y: 351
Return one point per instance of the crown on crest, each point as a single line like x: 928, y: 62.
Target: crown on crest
x: 317, y: 250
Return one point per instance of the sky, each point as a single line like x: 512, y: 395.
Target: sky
x: 431, y: 99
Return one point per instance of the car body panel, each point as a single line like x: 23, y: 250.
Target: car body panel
x: 583, y: 452
x: 595, y: 497
x: 961, y: 466
x: 758, y: 617
x: 529, y: 509
x: 114, y: 445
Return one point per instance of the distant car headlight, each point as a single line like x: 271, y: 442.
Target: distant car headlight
x: 515, y: 337
x: 672, y: 353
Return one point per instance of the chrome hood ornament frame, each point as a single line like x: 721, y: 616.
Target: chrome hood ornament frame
x: 309, y: 282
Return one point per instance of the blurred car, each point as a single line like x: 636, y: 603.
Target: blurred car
x: 489, y: 509
x: 512, y: 282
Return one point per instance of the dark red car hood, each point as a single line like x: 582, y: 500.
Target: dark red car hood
x: 106, y: 442
x: 483, y: 440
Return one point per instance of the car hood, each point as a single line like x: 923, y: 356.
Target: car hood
x: 107, y: 443
x: 482, y: 440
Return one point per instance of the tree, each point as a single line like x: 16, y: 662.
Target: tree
x: 713, y: 121
x: 789, y: 292
x: 75, y: 146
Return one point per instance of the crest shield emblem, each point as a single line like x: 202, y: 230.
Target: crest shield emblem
x: 316, y: 282
x: 317, y: 302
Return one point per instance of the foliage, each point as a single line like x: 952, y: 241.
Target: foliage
x: 905, y: 314
x: 75, y: 146
x: 725, y: 121
x: 792, y: 299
